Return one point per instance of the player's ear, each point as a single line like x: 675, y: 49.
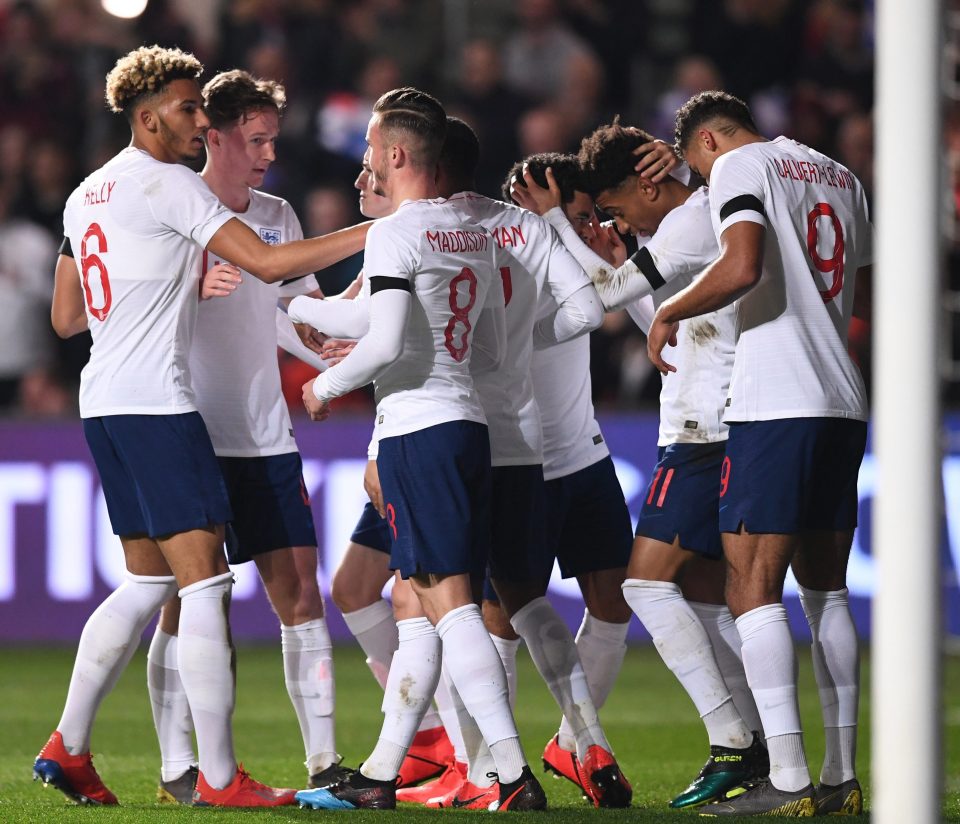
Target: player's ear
x: 146, y: 117
x: 213, y: 136
x: 646, y: 189
x: 707, y: 140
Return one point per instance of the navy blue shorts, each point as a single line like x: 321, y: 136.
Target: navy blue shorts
x: 788, y: 475
x: 519, y: 524
x: 371, y: 530
x: 159, y: 473
x: 437, y: 492
x: 271, y: 508
x: 588, y: 523
x: 683, y: 497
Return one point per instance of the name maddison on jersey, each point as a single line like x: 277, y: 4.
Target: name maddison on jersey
x: 457, y: 241
x: 805, y: 171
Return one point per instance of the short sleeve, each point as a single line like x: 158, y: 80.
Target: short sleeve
x: 389, y: 253
x: 685, y: 243
x: 184, y: 203
x: 737, y: 191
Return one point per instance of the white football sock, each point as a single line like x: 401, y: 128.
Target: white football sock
x: 171, y: 712
x: 376, y: 631
x: 308, y: 672
x: 448, y: 717
x: 413, y: 679
x: 507, y: 650
x: 685, y: 648
x: 476, y: 754
x: 725, y: 640
x: 552, y: 648
x: 476, y: 672
x: 206, y: 660
x: 836, y: 666
x: 109, y: 639
x: 601, y: 646
x: 770, y: 662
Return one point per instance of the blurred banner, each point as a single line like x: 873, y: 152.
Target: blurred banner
x: 59, y: 558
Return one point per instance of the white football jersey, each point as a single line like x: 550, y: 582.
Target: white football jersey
x: 561, y: 382
x: 136, y: 227
x: 692, y: 398
x: 233, y: 362
x: 532, y: 262
x: 449, y: 264
x: 791, y: 358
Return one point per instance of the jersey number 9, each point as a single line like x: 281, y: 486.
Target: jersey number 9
x: 834, y: 263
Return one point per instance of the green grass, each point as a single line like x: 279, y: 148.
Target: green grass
x: 652, y: 725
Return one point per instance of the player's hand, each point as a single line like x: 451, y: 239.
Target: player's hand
x: 534, y: 197
x: 221, y: 281
x: 312, y: 338
x: 661, y: 333
x: 607, y: 243
x: 371, y: 485
x: 656, y: 160
x: 317, y: 409
x: 336, y: 349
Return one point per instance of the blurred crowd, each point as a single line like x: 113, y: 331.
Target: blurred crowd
x: 528, y: 75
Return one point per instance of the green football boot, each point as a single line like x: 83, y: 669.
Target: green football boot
x: 726, y: 769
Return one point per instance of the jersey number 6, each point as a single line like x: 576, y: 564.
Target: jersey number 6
x: 460, y: 314
x: 91, y: 260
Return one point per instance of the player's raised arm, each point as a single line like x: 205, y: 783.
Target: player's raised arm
x: 238, y: 243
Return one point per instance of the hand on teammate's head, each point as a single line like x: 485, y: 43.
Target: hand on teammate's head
x: 656, y: 160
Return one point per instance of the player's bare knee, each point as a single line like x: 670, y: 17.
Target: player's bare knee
x: 170, y: 616
x: 496, y: 621
x: 295, y: 601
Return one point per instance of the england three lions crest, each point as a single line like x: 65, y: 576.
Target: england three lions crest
x: 271, y: 236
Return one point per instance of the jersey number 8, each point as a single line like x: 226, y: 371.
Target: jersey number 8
x: 460, y: 314
x: 91, y: 260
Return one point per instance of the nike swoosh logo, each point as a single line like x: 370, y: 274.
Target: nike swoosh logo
x: 463, y: 802
x: 505, y: 804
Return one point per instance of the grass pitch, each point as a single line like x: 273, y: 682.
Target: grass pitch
x: 651, y: 723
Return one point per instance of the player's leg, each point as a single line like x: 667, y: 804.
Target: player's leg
x: 520, y: 567
x: 273, y: 527
x: 205, y: 652
x: 763, y: 489
x: 171, y: 711
x: 456, y: 546
x: 436, y: 485
x: 469, y: 782
x: 820, y: 566
x: 290, y: 579
x: 703, y: 583
x: 108, y: 641
x: 587, y: 509
x: 356, y: 590
x: 112, y: 632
